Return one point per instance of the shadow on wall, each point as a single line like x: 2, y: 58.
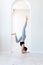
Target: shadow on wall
x: 0, y: 44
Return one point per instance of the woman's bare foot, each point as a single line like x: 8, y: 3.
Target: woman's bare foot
x: 13, y: 34
x: 27, y: 18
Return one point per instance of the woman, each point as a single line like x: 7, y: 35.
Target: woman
x: 22, y: 38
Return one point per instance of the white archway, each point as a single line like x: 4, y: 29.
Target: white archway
x: 20, y: 9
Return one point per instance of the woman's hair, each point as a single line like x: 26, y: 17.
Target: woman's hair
x: 25, y: 48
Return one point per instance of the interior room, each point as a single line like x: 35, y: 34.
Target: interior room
x: 12, y: 19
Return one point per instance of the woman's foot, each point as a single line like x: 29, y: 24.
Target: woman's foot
x: 13, y: 34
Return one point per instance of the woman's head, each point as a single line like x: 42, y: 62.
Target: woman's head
x: 25, y: 49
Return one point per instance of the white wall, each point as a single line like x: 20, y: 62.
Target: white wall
x: 0, y: 26
x: 36, y: 25
x: 5, y: 25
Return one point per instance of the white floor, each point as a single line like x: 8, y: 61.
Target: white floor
x: 21, y: 59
